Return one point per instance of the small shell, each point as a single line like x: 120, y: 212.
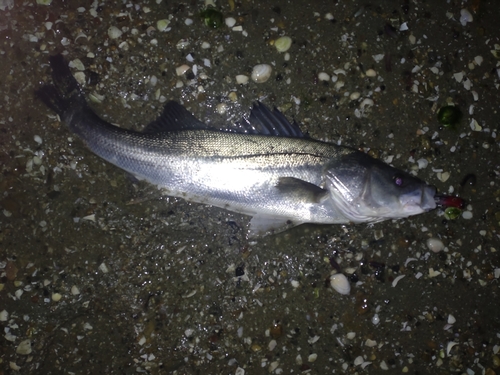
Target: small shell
x: 180, y: 70
x: 182, y: 44
x: 261, y: 73
x: 340, y: 283
x: 162, y: 25
x: 283, y: 44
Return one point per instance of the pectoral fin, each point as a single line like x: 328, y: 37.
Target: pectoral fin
x: 303, y: 191
x: 294, y: 191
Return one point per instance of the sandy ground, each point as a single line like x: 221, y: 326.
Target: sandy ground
x: 103, y: 274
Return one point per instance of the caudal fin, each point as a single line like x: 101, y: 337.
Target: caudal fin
x: 64, y: 96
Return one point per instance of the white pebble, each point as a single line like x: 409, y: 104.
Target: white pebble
x: 4, y: 316
x: 358, y: 360
x: 355, y: 95
x: 24, y: 347
x: 230, y: 21
x: 465, y: 17
x: 422, y: 163
x: 371, y: 73
x: 74, y: 290
x: 451, y: 319
x: 114, y: 32
x: 205, y: 45
x: 467, y: 215
x: 38, y: 139
x: 272, y: 344
x: 188, y: 21
x: 323, y: 76
x: 435, y: 245
x: 313, y: 357
x: 103, y: 268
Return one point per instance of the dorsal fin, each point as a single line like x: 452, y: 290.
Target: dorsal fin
x: 261, y: 121
x: 264, y: 122
x: 175, y: 117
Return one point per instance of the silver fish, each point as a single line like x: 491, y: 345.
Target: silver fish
x: 266, y: 169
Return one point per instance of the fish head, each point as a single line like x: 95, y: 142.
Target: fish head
x: 367, y: 190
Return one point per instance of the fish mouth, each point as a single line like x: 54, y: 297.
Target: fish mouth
x: 419, y: 201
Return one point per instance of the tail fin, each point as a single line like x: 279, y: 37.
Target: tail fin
x: 64, y: 96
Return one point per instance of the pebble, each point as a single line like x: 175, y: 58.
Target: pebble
x: 465, y: 17
x: 313, y: 357
x: 114, y: 32
x: 4, y: 316
x: 24, y: 347
x: 355, y: 95
x: 467, y: 215
x: 323, y: 76
x: 435, y: 245
x: 74, y: 290
x: 230, y: 21
x: 371, y: 73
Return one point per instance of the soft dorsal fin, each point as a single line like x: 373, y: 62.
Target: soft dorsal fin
x: 175, y: 117
x: 264, y: 122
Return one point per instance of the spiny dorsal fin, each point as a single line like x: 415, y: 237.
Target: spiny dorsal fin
x: 175, y: 117
x: 263, y: 121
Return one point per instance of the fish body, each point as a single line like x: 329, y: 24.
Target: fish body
x: 266, y: 169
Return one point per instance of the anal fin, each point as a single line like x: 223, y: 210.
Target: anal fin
x: 262, y: 225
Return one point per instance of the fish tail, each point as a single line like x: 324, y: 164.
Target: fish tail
x: 64, y: 96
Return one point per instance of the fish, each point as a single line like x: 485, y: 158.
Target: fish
x: 263, y: 166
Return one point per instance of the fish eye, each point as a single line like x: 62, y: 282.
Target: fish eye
x: 398, y: 180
